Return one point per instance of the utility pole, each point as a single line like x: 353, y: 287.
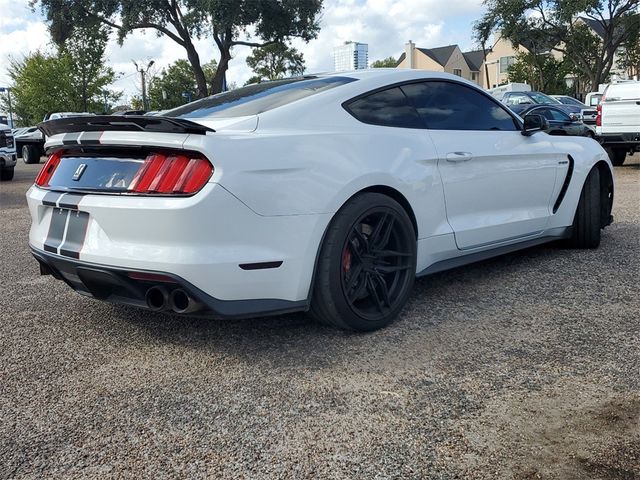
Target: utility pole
x: 143, y: 72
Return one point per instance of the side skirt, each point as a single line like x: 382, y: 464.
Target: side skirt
x: 556, y: 234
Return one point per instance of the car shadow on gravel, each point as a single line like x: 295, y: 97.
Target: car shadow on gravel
x: 300, y: 339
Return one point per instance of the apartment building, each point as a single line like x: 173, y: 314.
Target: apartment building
x: 350, y: 56
x: 469, y: 65
x: 487, y: 71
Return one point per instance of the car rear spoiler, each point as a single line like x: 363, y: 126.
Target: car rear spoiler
x: 130, y: 123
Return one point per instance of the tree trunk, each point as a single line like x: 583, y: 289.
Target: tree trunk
x: 486, y: 67
x: 223, y: 66
x: 194, y: 60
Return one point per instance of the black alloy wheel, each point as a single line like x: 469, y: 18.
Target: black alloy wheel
x: 376, y: 264
x: 367, y: 264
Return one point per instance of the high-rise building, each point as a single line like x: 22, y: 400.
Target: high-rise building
x: 351, y: 56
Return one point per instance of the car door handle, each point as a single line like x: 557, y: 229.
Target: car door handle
x: 459, y: 157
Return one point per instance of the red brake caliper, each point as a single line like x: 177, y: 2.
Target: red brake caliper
x: 346, y: 259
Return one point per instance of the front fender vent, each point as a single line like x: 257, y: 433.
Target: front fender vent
x: 565, y: 185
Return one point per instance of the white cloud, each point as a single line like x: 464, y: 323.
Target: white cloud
x: 384, y: 24
x: 21, y: 32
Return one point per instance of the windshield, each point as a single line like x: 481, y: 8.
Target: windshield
x: 571, y: 101
x: 258, y: 98
x: 542, y: 98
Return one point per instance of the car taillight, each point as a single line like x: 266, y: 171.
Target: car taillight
x: 174, y: 173
x: 168, y: 173
x: 42, y: 180
x: 599, y: 116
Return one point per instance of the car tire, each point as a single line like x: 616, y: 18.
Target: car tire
x: 6, y: 174
x: 367, y: 264
x: 587, y: 223
x: 30, y: 154
x: 616, y: 155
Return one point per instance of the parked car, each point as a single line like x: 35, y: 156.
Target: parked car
x: 560, y: 122
x: 587, y: 113
x: 324, y: 193
x: 30, y: 142
x: 7, y: 153
x: 519, y: 101
x: 499, y: 91
x: 567, y: 100
x: 618, y: 122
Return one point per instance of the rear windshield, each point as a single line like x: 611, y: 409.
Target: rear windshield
x: 258, y: 98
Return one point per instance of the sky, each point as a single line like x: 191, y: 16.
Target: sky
x: 386, y: 25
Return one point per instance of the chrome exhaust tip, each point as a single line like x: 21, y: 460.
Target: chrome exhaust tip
x: 157, y: 298
x: 181, y: 302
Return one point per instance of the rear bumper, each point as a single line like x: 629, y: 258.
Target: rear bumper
x: 115, y: 285
x: 211, y: 240
x: 630, y: 140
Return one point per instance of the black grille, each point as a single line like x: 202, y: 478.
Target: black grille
x: 6, y: 139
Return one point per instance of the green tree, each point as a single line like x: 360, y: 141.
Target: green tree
x: 74, y: 78
x: 184, y: 21
x: 275, y: 61
x: 544, y: 73
x: 88, y: 73
x: 39, y: 86
x: 389, y: 62
x: 630, y: 57
x: 553, y: 24
x: 166, y: 88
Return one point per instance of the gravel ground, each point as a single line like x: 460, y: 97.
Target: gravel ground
x: 522, y: 367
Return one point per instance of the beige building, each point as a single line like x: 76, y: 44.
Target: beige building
x: 469, y: 65
x: 499, y: 58
x: 487, y: 72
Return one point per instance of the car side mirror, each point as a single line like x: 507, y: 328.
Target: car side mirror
x: 534, y: 123
x: 575, y: 117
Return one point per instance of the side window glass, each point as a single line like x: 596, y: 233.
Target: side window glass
x: 559, y: 116
x: 389, y: 108
x: 453, y: 106
x: 545, y: 112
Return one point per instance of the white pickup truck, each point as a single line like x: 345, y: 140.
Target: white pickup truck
x: 30, y: 141
x: 7, y: 153
x: 618, y: 121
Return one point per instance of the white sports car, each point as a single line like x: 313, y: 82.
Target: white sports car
x: 325, y: 193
